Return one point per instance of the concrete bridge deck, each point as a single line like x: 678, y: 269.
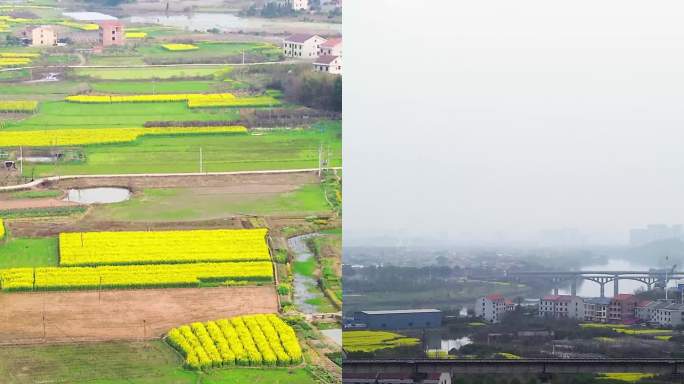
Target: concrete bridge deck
x: 513, y: 366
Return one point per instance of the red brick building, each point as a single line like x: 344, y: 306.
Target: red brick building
x: 112, y: 33
x: 622, y: 308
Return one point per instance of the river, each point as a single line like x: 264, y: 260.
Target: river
x: 228, y: 22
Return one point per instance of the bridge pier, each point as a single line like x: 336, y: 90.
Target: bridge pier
x: 573, y: 286
x: 603, y: 289
x: 555, y: 290
x: 616, y: 288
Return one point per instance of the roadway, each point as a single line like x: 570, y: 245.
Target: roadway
x: 40, y: 181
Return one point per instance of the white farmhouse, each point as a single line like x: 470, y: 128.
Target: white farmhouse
x: 302, y: 45
x: 332, y: 47
x: 561, y: 306
x: 670, y: 315
x: 493, y: 307
x: 328, y: 64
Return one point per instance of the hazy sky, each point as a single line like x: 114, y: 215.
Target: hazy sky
x: 498, y: 119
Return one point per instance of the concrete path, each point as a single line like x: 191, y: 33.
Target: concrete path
x: 40, y: 181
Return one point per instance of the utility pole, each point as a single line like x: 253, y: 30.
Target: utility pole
x: 200, y: 160
x: 320, y: 158
x: 21, y: 161
x: 243, y: 57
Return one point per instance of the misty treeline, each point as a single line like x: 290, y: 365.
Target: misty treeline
x: 299, y: 84
x: 386, y: 278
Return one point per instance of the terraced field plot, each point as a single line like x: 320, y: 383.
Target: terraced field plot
x: 121, y: 248
x: 64, y: 115
x: 188, y: 72
x: 149, y: 154
x: 248, y: 340
x: 135, y: 276
x: 119, y: 314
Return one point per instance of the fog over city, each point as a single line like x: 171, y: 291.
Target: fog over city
x: 507, y: 122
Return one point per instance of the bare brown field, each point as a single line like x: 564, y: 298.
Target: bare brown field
x: 29, y: 318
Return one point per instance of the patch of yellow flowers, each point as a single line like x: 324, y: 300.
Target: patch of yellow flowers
x: 81, y: 26
x: 56, y: 137
x: 150, y: 98
x: 136, y: 35
x: 254, y: 340
x: 133, y: 276
x: 18, y: 105
x: 180, y: 47
x: 161, y: 247
x: 255, y: 101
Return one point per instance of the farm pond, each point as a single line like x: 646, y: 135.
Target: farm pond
x: 101, y: 195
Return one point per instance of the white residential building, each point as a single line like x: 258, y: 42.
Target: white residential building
x: 561, y: 306
x: 331, y: 47
x: 670, y: 315
x: 493, y: 307
x: 328, y: 64
x: 596, y: 309
x: 303, y: 46
x: 298, y: 5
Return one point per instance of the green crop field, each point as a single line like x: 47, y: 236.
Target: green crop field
x: 183, y: 204
x: 221, y: 153
x: 148, y: 362
x: 149, y: 72
x: 210, y: 50
x: 62, y: 114
x: 29, y: 252
x: 57, y: 89
x: 138, y: 87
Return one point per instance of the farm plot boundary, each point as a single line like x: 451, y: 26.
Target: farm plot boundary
x: 82, y: 316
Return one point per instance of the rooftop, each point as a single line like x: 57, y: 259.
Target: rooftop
x: 88, y: 16
x: 332, y: 42
x: 325, y: 59
x: 398, y: 311
x: 598, y: 300
x: 300, y: 37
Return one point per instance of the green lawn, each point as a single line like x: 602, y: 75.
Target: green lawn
x: 62, y: 114
x: 29, y: 252
x: 149, y: 73
x: 199, y: 204
x: 150, y: 362
x: 139, y: 87
x: 221, y: 153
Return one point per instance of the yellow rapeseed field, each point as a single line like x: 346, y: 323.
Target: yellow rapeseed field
x: 55, y: 137
x: 18, y: 105
x: 133, y: 276
x: 180, y: 47
x: 136, y: 35
x: 150, y: 98
x: 81, y: 26
x: 254, y: 101
x: 160, y: 247
x: 246, y: 340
